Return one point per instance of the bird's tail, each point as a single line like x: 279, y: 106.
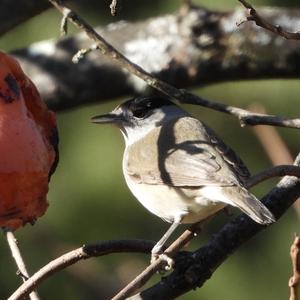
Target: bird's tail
x: 252, y: 207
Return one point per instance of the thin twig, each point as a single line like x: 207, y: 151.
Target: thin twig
x: 271, y: 141
x: 261, y: 22
x: 274, y: 146
x: 16, y: 254
x: 245, y: 117
x: 277, y: 171
x: 84, y: 252
x: 294, y: 282
x: 64, y: 26
x: 82, y: 53
x: 143, y: 277
x: 115, y: 7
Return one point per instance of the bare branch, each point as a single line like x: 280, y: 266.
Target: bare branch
x: 84, y: 252
x: 194, y: 47
x: 271, y: 141
x: 277, y: 171
x: 294, y: 281
x: 16, y: 254
x: 245, y: 117
x: 199, y: 266
x: 143, y: 246
x: 115, y: 7
x: 107, y: 49
x: 81, y: 54
x: 261, y: 22
x: 274, y: 146
x: 64, y: 26
x: 141, y: 279
x: 157, y: 265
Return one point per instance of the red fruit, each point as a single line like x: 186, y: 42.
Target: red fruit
x: 28, y: 147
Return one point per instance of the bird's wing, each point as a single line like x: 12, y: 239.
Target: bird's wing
x: 233, y: 161
x: 177, y: 161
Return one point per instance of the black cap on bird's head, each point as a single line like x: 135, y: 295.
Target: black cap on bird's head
x: 136, y: 108
x: 140, y: 107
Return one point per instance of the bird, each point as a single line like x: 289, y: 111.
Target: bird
x: 177, y: 167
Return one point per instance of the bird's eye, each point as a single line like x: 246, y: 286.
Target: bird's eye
x: 140, y: 112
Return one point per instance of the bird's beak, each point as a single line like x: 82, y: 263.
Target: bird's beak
x: 107, y: 118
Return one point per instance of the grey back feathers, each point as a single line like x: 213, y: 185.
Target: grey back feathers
x: 184, y: 156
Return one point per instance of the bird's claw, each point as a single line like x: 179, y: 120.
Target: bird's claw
x: 168, y: 261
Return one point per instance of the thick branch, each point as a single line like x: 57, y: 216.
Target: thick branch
x: 112, y: 53
x: 191, y: 48
x: 73, y: 256
x: 201, y: 264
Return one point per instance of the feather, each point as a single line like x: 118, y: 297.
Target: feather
x: 181, y: 162
x: 190, y: 157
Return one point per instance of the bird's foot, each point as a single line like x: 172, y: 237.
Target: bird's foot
x: 168, y: 262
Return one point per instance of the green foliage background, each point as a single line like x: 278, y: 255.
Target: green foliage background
x: 90, y: 202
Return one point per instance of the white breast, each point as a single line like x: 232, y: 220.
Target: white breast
x: 172, y: 204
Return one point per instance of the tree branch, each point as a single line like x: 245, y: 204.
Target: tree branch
x: 199, y: 266
x: 16, y: 254
x: 157, y: 265
x: 141, y: 279
x: 261, y: 22
x: 277, y: 171
x: 244, y: 116
x: 274, y: 146
x: 112, y: 53
x: 193, y: 47
x: 84, y: 252
x: 108, y: 247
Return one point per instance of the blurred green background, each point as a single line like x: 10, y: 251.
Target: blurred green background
x: 90, y: 202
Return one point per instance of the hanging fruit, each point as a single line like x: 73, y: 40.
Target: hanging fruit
x: 28, y: 147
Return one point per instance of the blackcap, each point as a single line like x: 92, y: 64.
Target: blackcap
x: 177, y: 167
